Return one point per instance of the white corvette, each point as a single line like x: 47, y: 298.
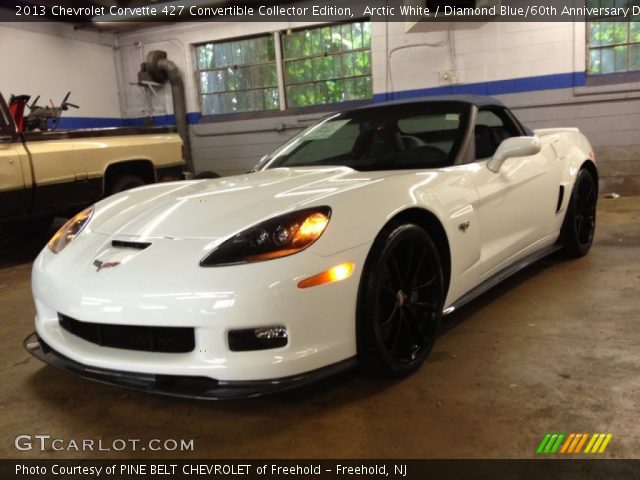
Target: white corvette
x: 346, y: 245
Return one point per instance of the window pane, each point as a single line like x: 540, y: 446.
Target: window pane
x: 620, y: 55
x: 356, y: 30
x: 336, y: 39
x: 325, y: 39
x: 634, y: 57
x: 595, y: 65
x: 329, y: 64
x: 619, y: 38
x: 271, y: 99
x: 634, y: 31
x: 594, y: 34
x: 238, y: 75
x: 347, y: 38
x: 608, y: 60
x: 366, y: 35
x: 300, y: 95
x: 205, y: 56
x: 608, y: 33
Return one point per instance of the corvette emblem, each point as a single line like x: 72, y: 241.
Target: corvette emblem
x: 464, y: 226
x: 99, y: 264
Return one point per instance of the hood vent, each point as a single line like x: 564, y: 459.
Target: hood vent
x: 125, y: 244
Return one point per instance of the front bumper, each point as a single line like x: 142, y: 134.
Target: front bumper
x: 203, y: 388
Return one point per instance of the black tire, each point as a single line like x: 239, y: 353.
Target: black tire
x: 399, y: 301
x: 123, y: 182
x: 206, y: 175
x: 580, y: 221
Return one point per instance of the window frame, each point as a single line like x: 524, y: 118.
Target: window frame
x: 279, y: 61
x: 605, y: 78
x: 248, y: 113
x: 284, y: 60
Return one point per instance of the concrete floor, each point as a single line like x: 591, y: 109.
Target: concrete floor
x: 557, y: 348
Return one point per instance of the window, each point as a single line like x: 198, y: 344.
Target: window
x: 395, y: 137
x: 238, y: 76
x: 328, y: 64
x: 614, y: 46
x: 492, y: 128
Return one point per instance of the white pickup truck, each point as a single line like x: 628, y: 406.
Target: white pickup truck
x: 44, y: 174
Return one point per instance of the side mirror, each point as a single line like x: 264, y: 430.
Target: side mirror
x: 513, y: 147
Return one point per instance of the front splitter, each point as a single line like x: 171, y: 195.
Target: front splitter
x: 203, y: 388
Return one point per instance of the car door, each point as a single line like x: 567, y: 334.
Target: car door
x: 13, y: 200
x: 517, y: 203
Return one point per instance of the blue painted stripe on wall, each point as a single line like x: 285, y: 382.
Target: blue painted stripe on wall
x: 498, y: 87
x: 161, y: 120
x: 73, y: 123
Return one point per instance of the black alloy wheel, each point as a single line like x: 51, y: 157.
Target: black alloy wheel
x: 400, y: 301
x: 580, y: 222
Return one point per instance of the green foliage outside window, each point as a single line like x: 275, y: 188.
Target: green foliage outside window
x: 238, y: 76
x: 614, y: 46
x: 321, y: 65
x: 328, y: 64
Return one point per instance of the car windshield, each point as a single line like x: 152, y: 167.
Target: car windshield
x: 394, y: 137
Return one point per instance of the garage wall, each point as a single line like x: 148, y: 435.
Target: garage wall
x: 51, y: 59
x: 536, y: 68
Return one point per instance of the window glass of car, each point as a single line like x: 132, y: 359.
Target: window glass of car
x: 392, y: 137
x: 493, y: 126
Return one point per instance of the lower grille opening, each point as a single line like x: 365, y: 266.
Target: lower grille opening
x: 132, y: 337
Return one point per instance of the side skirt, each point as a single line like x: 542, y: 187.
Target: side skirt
x: 502, y: 275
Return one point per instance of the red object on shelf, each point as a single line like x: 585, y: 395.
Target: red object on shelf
x: 16, y: 107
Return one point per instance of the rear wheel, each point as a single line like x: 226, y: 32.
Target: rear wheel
x: 123, y: 182
x: 580, y: 221
x: 399, y: 302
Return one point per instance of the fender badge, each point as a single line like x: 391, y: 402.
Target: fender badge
x: 464, y: 226
x: 99, y: 264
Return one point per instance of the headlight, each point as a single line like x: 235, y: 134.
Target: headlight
x: 274, y: 238
x: 69, y: 230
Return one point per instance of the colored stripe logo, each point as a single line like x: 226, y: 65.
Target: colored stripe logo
x: 574, y: 443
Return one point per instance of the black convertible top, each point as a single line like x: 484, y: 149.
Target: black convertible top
x: 477, y: 100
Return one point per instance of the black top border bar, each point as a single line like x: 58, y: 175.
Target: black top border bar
x: 426, y: 11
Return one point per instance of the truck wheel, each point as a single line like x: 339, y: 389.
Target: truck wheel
x: 34, y: 227
x: 124, y: 182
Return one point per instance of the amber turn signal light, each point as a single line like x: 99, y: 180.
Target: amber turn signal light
x: 334, y: 274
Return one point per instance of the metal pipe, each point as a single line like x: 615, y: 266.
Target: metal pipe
x: 160, y: 69
x: 179, y: 107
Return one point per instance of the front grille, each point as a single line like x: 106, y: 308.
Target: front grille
x: 132, y: 337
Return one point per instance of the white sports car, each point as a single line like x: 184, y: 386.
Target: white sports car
x: 345, y: 246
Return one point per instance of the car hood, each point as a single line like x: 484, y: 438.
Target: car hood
x: 212, y: 209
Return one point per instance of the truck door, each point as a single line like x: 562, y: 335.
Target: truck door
x: 14, y: 200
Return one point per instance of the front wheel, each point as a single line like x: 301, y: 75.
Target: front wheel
x: 580, y: 222
x: 399, y: 302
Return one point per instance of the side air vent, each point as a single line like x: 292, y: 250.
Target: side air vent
x: 125, y: 244
x: 560, y: 198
